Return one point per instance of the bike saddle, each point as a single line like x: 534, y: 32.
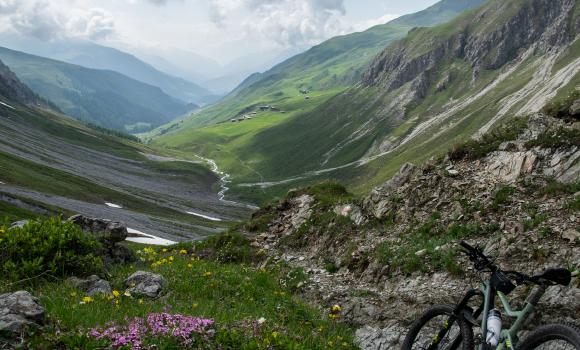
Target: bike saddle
x: 555, y: 276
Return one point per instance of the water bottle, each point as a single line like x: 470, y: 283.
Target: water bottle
x: 493, y: 327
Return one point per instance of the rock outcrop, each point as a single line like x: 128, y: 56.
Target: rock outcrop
x: 106, y: 230
x: 92, y: 285
x: 18, y: 310
x: 481, y: 42
x: 146, y: 284
x: 109, y: 233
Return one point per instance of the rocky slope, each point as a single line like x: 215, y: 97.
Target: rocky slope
x: 391, y: 255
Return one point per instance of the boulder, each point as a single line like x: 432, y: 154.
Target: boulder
x: 143, y: 283
x: 92, y: 286
x: 19, y: 309
x: 507, y: 166
x: 575, y: 108
x: 108, y: 231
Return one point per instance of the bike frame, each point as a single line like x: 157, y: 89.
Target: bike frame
x: 508, y: 337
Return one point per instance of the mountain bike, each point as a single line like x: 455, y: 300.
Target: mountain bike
x: 451, y: 326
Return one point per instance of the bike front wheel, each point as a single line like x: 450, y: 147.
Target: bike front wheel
x: 438, y: 329
x: 553, y: 337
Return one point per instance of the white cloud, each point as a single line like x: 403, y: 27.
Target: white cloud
x: 285, y: 22
x: 364, y: 25
x: 55, y: 20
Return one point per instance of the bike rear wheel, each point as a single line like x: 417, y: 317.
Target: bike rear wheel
x: 438, y: 329
x: 553, y: 337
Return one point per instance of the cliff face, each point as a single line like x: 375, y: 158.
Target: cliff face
x: 14, y: 90
x: 487, y: 39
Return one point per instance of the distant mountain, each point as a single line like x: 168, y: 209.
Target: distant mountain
x: 91, y: 55
x: 13, y: 91
x: 102, y: 97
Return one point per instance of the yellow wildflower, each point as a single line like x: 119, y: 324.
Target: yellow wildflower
x: 73, y: 294
x: 140, y: 301
x: 336, y: 308
x: 194, y: 305
x: 164, y: 250
x: 171, y: 258
x: 127, y: 293
x: 183, y: 251
x: 275, y: 334
x: 87, y: 300
x: 116, y: 293
x: 190, y: 265
x: 207, y: 274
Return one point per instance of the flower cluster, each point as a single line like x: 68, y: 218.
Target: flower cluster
x: 183, y: 329
x: 335, y: 311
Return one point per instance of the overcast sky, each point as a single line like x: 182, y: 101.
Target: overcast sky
x: 219, y: 29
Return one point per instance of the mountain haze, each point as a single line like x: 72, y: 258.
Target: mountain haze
x: 95, y: 56
x: 101, y: 97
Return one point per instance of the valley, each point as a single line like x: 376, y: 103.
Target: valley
x: 434, y: 95
x: 51, y: 159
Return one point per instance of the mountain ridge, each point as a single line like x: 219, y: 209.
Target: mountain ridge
x: 102, y: 97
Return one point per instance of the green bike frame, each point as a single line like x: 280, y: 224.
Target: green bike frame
x: 508, y: 337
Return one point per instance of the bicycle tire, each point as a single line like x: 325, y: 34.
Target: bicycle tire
x: 567, y: 332
x: 466, y: 331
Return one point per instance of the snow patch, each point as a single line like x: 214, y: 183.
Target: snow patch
x: 113, y: 205
x: 6, y: 104
x: 204, y: 216
x: 147, y: 239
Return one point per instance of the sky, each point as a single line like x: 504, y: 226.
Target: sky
x: 222, y: 30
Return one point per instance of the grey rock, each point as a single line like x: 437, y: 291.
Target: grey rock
x: 19, y: 309
x: 575, y: 108
x: 143, y: 283
x: 508, y: 166
x: 369, y: 338
x: 92, y: 286
x: 18, y: 224
x: 108, y: 231
x: 571, y: 235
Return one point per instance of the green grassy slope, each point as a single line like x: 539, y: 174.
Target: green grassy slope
x: 256, y: 150
x: 105, y: 98
x: 369, y: 131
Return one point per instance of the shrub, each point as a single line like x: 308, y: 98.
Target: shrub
x: 559, y: 138
x: 48, y: 246
x: 327, y: 193
x: 227, y: 247
x: 560, y: 108
x: 502, y: 197
x: 489, y: 142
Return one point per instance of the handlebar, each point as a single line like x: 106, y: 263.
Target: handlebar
x: 480, y: 260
